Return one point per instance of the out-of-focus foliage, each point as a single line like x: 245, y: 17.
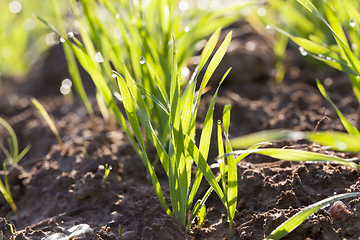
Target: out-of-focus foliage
x: 22, y: 37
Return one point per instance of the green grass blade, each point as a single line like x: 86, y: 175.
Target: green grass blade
x: 263, y: 136
x: 301, y: 216
x: 128, y: 102
x: 23, y: 153
x: 335, y: 24
x: 5, y: 191
x: 153, y: 98
x: 133, y: 88
x: 49, y: 121
x: 338, y: 141
x: 221, y: 161
x: 215, y: 61
x: 204, y: 167
x: 205, y: 138
x: 208, y: 49
x: 10, y: 159
x: 349, y: 128
x: 14, y: 141
x: 353, y: 60
x: 209, y: 191
x: 158, y: 83
x: 232, y: 189
x: 178, y: 173
x: 321, y: 53
x: 73, y: 69
x: 104, y: 89
x: 298, y: 156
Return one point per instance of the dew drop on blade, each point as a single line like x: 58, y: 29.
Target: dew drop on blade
x: 352, y: 23
x: 142, y: 60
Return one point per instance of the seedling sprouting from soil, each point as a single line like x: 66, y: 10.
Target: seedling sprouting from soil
x: 50, y: 121
x: 106, y: 174
x: 12, y: 155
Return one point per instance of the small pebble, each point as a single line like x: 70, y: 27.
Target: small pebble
x: 338, y: 210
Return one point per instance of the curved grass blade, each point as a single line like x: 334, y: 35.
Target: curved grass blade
x: 232, y: 188
x: 152, y: 97
x: 202, y: 164
x: 297, y: 156
x: 352, y: 59
x: 104, y: 89
x: 205, y: 140
x: 321, y: 53
x: 301, y: 216
x: 5, y: 191
x: 129, y: 102
x: 336, y: 140
x: 197, y: 207
x: 14, y: 142
x: 73, y: 69
x: 349, y: 128
x: 264, y: 136
x: 164, y: 158
x: 49, y: 121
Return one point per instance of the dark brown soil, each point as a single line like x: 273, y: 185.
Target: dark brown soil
x: 55, y: 191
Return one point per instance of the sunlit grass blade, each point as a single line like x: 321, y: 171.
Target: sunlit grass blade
x: 349, y: 128
x: 205, y: 138
x: 23, y: 153
x: 49, y: 120
x: 301, y: 216
x: 72, y: 65
x: 232, y: 188
x: 197, y: 207
x: 178, y: 165
x: 353, y: 60
x: 158, y: 82
x: 336, y: 140
x: 215, y: 61
x: 298, y: 156
x: 208, y: 49
x: 133, y: 88
x: 5, y: 191
x: 221, y: 161
x: 128, y: 102
x: 148, y: 94
x: 263, y: 136
x: 104, y: 89
x: 204, y: 167
x: 321, y: 53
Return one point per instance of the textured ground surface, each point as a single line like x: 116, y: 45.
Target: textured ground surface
x: 55, y: 191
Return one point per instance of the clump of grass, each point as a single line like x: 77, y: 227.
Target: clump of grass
x: 12, y: 157
x: 177, y: 160
x: 50, y: 121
